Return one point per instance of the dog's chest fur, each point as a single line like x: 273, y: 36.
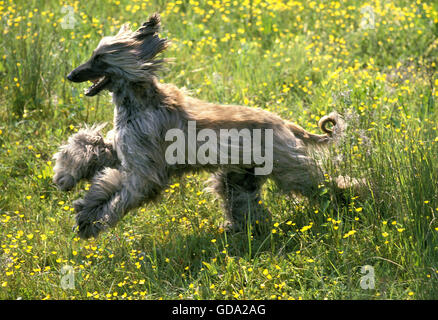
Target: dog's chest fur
x: 137, y: 129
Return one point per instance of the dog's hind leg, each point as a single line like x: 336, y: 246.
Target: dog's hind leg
x: 241, y: 195
x: 85, y: 154
x: 298, y: 174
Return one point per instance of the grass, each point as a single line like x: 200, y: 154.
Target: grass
x: 299, y: 59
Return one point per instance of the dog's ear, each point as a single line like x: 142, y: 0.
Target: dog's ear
x: 150, y: 44
x: 150, y: 27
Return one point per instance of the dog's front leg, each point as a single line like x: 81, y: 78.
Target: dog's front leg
x: 112, y: 194
x: 85, y: 154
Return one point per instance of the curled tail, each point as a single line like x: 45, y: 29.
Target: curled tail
x: 332, y: 118
x: 310, y: 138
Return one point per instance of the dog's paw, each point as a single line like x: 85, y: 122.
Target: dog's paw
x: 64, y: 181
x: 90, y: 221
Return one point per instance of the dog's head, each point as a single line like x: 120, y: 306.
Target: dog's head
x: 129, y: 56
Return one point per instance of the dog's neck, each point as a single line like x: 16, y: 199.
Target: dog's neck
x: 136, y: 97
x: 133, y: 100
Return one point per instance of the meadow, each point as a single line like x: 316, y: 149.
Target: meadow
x: 375, y: 63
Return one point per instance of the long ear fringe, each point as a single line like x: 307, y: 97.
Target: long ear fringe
x: 152, y: 47
x: 151, y: 44
x: 151, y: 26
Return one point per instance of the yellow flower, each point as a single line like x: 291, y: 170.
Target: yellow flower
x: 305, y: 228
x: 350, y: 233
x: 385, y: 234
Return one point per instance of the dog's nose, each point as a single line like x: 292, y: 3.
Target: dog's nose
x: 70, y: 76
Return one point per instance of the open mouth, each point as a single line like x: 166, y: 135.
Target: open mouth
x: 98, y: 85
